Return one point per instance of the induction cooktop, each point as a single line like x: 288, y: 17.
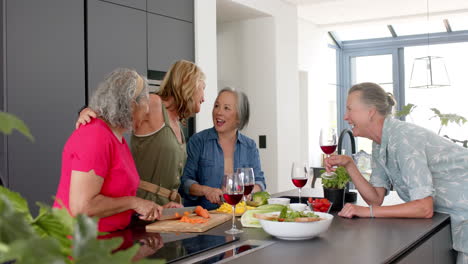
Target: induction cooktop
x: 184, y: 248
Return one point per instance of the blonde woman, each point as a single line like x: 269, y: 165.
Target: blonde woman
x: 158, y: 144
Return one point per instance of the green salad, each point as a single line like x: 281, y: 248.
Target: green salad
x: 291, y: 216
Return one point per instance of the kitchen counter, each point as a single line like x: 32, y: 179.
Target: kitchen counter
x: 357, y: 240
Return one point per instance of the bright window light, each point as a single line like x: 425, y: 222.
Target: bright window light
x: 370, y: 32
x: 422, y: 27
x: 458, y: 23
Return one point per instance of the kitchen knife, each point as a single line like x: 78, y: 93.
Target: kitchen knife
x: 170, y: 213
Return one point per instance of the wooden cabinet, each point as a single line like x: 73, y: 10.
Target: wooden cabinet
x: 139, y: 4
x: 116, y: 38
x: 180, y: 9
x: 169, y: 40
x: 44, y: 66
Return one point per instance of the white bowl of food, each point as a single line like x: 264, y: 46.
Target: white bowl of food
x: 282, y: 201
x: 302, y: 228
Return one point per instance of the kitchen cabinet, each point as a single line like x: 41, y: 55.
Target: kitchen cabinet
x: 138, y: 4
x: 44, y: 66
x: 180, y: 9
x: 116, y: 38
x: 169, y: 40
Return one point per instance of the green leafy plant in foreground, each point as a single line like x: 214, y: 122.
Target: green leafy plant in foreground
x: 8, y: 122
x: 53, y: 236
x: 339, y: 182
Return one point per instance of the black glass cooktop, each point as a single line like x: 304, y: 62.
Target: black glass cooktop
x: 184, y: 248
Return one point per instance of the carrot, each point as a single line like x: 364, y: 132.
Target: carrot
x: 187, y: 219
x: 202, y: 212
x: 177, y: 215
x: 186, y: 213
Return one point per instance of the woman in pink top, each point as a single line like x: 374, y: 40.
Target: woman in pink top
x: 99, y: 177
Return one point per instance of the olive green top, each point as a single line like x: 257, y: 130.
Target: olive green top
x: 160, y: 159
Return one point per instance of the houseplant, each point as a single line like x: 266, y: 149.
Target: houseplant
x: 444, y: 118
x: 334, y: 189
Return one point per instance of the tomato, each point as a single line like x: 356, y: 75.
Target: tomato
x: 310, y: 199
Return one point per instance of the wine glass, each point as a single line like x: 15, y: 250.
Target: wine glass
x: 299, y: 175
x: 247, y: 175
x: 328, y: 142
x: 233, y: 190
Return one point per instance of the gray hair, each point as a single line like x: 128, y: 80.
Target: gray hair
x: 243, y: 106
x: 113, y: 100
x: 374, y: 95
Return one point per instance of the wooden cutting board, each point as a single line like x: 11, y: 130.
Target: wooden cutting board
x: 177, y: 226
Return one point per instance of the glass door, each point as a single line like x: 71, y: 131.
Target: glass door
x: 378, y: 66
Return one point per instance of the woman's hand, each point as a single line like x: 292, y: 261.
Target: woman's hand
x: 85, y: 117
x: 172, y: 205
x: 351, y: 210
x: 148, y: 210
x: 213, y: 194
x: 337, y: 160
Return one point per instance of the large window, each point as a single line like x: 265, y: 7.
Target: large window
x: 448, y: 100
x: 389, y: 62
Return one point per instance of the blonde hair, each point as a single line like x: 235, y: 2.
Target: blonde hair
x: 374, y: 95
x: 180, y: 83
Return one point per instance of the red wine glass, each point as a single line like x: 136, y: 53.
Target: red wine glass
x: 248, y: 178
x: 233, y: 191
x: 299, y: 176
x: 328, y: 142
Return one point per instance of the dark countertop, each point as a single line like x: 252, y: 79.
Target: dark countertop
x: 358, y: 240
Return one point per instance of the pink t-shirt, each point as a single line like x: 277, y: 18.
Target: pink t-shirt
x: 95, y: 147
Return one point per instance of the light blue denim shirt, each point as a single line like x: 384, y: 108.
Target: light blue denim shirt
x: 418, y: 163
x: 205, y: 164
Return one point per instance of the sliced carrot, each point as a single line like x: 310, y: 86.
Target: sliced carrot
x: 177, y: 215
x: 186, y: 219
x: 186, y: 213
x: 202, y: 212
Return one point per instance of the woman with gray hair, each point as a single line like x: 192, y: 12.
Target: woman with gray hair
x: 99, y: 177
x: 218, y: 150
x: 429, y: 172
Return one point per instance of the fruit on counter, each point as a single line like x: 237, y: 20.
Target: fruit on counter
x: 319, y: 204
x: 240, y: 208
x: 248, y: 219
x: 259, y: 198
x: 202, y: 212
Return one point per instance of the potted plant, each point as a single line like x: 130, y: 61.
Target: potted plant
x: 334, y: 189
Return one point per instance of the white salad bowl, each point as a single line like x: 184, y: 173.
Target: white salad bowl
x: 297, y: 230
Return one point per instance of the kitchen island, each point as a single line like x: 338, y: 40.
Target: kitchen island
x: 357, y: 240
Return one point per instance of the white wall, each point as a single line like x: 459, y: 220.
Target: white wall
x: 272, y: 85
x: 285, y: 107
x: 246, y: 61
x: 205, y: 57
x: 312, y: 47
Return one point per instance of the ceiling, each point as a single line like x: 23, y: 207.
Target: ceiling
x: 229, y: 11
x: 338, y: 13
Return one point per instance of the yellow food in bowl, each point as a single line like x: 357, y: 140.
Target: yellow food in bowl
x: 240, y: 208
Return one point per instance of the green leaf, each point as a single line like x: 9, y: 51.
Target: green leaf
x: 13, y: 224
x: 34, y: 251
x: 339, y: 182
x: 56, y: 223
x: 406, y: 110
x: 19, y: 204
x: 8, y: 122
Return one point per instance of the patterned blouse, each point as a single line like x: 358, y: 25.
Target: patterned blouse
x: 418, y: 163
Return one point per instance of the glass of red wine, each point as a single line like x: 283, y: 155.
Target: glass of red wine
x: 248, y: 178
x: 299, y: 175
x: 233, y: 191
x: 328, y: 142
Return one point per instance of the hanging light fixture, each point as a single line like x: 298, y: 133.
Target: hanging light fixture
x: 429, y: 71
